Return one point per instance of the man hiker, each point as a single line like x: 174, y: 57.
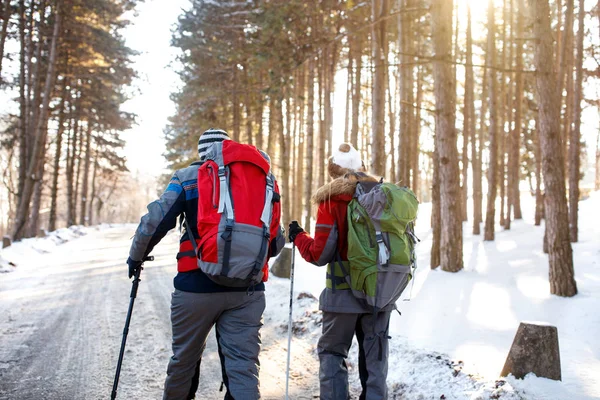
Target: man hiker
x: 221, y: 275
x: 344, y: 315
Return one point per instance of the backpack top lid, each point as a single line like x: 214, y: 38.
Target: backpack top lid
x: 237, y: 152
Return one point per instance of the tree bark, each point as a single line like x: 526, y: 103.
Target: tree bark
x: 349, y: 91
x: 514, y: 151
x: 477, y: 158
x: 416, y: 148
x: 357, y: 90
x: 406, y: 83
x: 235, y: 100
x: 468, y: 112
x: 378, y: 156
x: 490, y: 215
x: 310, y: 132
x: 284, y: 157
x: 90, y: 217
x: 322, y: 71
x: 86, y: 174
x: 575, y: 139
x: 539, y: 197
x: 562, y: 281
x: 566, y: 38
x: 436, y: 220
x: 300, y: 128
x: 57, y: 155
x: 451, y: 238
x: 23, y: 117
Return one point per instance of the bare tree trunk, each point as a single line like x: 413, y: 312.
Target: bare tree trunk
x: 416, y: 148
x: 93, y: 194
x: 574, y: 141
x: 235, y: 100
x: 329, y: 91
x: 284, y: 157
x: 391, y: 133
x: 477, y: 158
x: 490, y: 215
x: 6, y: 14
x: 86, y: 174
x: 407, y: 111
x: 40, y: 133
x: 356, y: 93
x: 33, y: 224
x: 503, y: 105
x: 322, y: 71
x: 71, y: 155
x: 469, y: 114
x: 565, y: 65
x: 539, y: 197
x: 379, y: 11
x: 248, y: 106
x: 300, y: 129
x: 515, y: 136
x: 23, y: 117
x: 57, y: 155
x: 562, y: 281
x: 77, y: 175
x: 349, y: 91
x: 310, y: 133
x: 451, y: 237
x: 436, y: 219
x: 258, y: 118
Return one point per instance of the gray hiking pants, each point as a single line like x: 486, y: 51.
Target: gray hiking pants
x: 238, y: 319
x: 372, y: 336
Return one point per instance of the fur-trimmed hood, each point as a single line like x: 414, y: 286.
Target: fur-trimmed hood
x: 345, y: 185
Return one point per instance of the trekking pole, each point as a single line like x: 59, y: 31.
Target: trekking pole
x: 289, y: 350
x: 134, y: 289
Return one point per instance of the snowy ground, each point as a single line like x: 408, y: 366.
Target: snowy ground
x: 62, y: 313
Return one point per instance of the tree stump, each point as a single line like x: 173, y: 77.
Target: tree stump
x: 282, y: 266
x: 6, y: 241
x: 534, y: 349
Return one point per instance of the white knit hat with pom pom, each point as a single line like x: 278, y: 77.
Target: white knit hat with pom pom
x: 343, y: 160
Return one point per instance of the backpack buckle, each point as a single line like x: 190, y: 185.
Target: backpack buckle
x: 228, y: 230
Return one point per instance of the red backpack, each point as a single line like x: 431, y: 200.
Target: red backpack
x: 236, y: 196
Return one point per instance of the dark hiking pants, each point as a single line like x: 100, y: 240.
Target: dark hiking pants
x: 372, y: 336
x: 237, y: 317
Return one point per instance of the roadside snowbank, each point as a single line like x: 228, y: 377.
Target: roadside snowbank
x: 23, y: 251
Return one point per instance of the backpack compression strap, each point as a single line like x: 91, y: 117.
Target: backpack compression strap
x: 225, y: 204
x: 266, y: 220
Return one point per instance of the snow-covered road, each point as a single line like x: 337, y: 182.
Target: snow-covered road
x: 62, y: 317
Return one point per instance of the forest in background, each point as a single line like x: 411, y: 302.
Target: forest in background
x: 451, y: 107
x: 64, y: 70
x: 466, y: 103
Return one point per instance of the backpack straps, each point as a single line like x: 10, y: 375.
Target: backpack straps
x: 215, y: 154
x: 190, y: 236
x: 266, y: 216
x: 268, y: 206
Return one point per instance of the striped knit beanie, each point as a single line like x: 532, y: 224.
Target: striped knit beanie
x: 209, y: 137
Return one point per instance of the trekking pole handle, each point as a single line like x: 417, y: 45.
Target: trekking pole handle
x: 148, y: 258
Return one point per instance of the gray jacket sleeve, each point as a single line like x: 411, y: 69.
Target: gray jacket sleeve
x: 160, y: 219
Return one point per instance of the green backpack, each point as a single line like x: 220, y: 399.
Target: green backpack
x: 381, y: 242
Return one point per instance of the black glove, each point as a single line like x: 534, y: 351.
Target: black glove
x: 295, y: 230
x: 134, y: 266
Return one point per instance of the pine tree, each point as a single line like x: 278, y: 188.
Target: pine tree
x: 445, y: 136
x: 560, y: 254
